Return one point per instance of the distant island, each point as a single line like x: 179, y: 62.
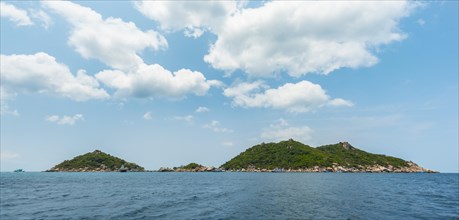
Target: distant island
x: 191, y: 167
x: 284, y: 156
x: 96, y: 161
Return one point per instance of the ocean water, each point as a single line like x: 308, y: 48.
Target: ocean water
x: 228, y: 196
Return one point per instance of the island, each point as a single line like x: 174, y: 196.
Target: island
x: 96, y: 161
x: 191, y: 167
x: 284, y: 156
x: 293, y: 156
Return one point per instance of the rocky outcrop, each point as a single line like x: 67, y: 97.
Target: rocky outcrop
x: 165, y: 169
x: 346, y: 145
x: 336, y: 168
x: 199, y: 168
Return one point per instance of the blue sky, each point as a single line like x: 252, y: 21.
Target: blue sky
x: 168, y: 83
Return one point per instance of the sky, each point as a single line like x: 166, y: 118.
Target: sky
x: 163, y: 84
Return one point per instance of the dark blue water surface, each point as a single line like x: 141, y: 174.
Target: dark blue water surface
x: 228, y: 196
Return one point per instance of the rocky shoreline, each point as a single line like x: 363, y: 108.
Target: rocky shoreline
x: 87, y: 169
x: 335, y: 168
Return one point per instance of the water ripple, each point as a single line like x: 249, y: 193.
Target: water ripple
x: 228, y: 196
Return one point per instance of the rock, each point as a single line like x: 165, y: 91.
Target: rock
x: 165, y: 169
x: 346, y: 145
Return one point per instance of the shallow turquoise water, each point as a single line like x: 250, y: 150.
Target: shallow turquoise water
x: 228, y: 196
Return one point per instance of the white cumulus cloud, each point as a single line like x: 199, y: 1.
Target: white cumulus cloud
x: 41, y: 73
x: 194, y: 17
x: 202, y: 109
x: 64, y: 120
x: 155, y: 81
x: 303, y: 96
x: 301, y: 37
x: 112, y: 40
x: 297, y: 37
x: 281, y: 130
x: 118, y: 44
x: 14, y: 14
x: 216, y: 127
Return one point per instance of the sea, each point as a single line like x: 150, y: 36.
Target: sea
x: 228, y: 195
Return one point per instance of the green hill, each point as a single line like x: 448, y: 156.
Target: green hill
x: 96, y: 161
x: 285, y: 154
x: 191, y: 166
x: 347, y: 155
x: 340, y: 157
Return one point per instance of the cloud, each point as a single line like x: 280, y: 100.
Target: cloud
x: 202, y: 109
x: 187, y: 118
x: 228, y: 143
x: 7, y: 155
x: 147, y: 116
x: 340, y: 102
x: 5, y: 110
x: 41, y: 73
x: 297, y: 37
x: 64, y: 120
x: 155, y: 81
x: 6, y: 96
x: 281, y: 130
x: 195, y: 17
x: 16, y: 15
x: 421, y: 22
x: 216, y: 127
x: 300, y: 37
x: 118, y: 44
x: 303, y: 96
x: 112, y: 41
x: 42, y: 16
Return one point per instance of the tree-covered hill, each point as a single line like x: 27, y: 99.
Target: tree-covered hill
x: 285, y: 154
x: 191, y: 166
x: 96, y: 161
x: 347, y: 155
x: 340, y: 157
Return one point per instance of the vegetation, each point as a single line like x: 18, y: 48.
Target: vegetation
x: 345, y: 154
x: 295, y: 155
x: 191, y: 166
x: 96, y: 160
